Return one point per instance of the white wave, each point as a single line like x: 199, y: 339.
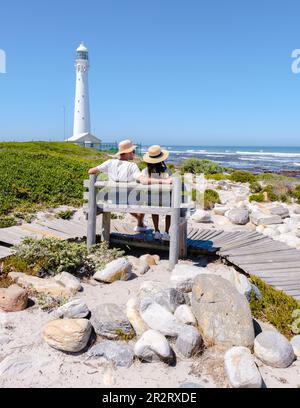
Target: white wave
x: 296, y: 164
x: 275, y: 154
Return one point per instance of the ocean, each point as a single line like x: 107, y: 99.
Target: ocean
x: 253, y: 158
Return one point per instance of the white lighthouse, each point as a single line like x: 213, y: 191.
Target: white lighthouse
x: 82, y: 122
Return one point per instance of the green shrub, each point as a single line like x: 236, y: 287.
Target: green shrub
x: 275, y: 307
x: 198, y: 166
x: 51, y: 256
x: 255, y: 187
x: 217, y: 177
x: 65, y: 215
x: 259, y: 198
x: 6, y: 222
x: 211, y: 197
x: 284, y: 198
x: 271, y: 195
x: 242, y: 177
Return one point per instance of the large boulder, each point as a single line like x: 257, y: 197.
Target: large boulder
x: 159, y: 318
x: 260, y: 218
x: 69, y: 335
x: 119, y: 353
x: 184, y: 314
x: 280, y: 210
x: 46, y: 286
x: 119, y: 269
x: 13, y: 299
x: 110, y: 321
x: 150, y: 289
x: 134, y: 317
x: 75, y: 309
x: 189, y: 342
x: 241, y: 369
x: 273, y: 349
x: 169, y: 298
x: 220, y: 209
x: 69, y: 281
x: 238, y: 216
x: 201, y: 216
x: 295, y: 342
x: 184, y: 275
x: 223, y: 314
x: 153, y: 347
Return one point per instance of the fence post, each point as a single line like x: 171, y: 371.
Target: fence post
x: 92, y: 212
x: 175, y: 221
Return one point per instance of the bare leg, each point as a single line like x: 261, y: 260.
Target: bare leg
x: 155, y: 219
x: 168, y: 223
x: 140, y: 219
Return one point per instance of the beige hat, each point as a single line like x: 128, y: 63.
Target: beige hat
x: 155, y: 154
x: 126, y: 146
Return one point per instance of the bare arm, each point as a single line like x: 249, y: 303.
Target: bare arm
x: 94, y: 170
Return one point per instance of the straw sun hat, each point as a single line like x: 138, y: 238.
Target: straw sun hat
x: 155, y: 154
x: 126, y: 146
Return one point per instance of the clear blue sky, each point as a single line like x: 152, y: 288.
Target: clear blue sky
x: 174, y: 72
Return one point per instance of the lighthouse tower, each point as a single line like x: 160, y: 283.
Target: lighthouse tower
x: 82, y: 123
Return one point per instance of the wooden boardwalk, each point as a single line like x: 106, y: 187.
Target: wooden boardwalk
x: 274, y: 262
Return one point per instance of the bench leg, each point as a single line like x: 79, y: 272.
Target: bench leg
x: 183, y: 239
x: 105, y: 227
x: 92, y: 213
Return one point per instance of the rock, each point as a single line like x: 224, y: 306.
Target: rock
x: 270, y: 232
x: 47, y: 285
x: 280, y: 210
x: 14, y: 366
x: 143, y: 267
x: 256, y: 292
x: 201, y: 216
x: 185, y: 315
x: 183, y: 276
x: 223, y: 314
x: 69, y: 281
x: 297, y: 209
x: 239, y: 216
x: 169, y: 298
x: 152, y: 347
x: 150, y: 288
x: 273, y: 349
x: 260, y: 218
x: 75, y: 309
x: 188, y: 342
x: 119, y: 353
x: 220, y: 209
x: 297, y: 232
x: 119, y: 269
x: 110, y: 321
x: 260, y: 228
x: 70, y: 335
x: 295, y: 342
x: 13, y: 299
x: 151, y: 260
x: 134, y: 317
x: 158, y: 318
x: 241, y: 369
x: 283, y: 229
x: 190, y: 385
x: 242, y: 284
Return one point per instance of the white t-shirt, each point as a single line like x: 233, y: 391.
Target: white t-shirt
x: 120, y: 170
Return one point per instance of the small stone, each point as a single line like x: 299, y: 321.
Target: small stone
x: 134, y: 317
x: 188, y: 342
x: 256, y: 292
x: 220, y: 209
x: 151, y: 260
x: 169, y: 299
x: 238, y: 216
x: 143, y: 267
x: 280, y: 210
x: 119, y: 353
x: 69, y: 281
x: 70, y: 335
x: 13, y: 299
x: 283, y: 229
x: 75, y: 309
x: 185, y: 315
x: 241, y: 369
x: 297, y: 209
x: 152, y: 347
x: 183, y: 276
x: 273, y: 349
x: 119, y: 269
x: 260, y: 218
x: 158, y: 318
x: 110, y: 321
x: 295, y: 342
x: 150, y: 289
x: 201, y: 216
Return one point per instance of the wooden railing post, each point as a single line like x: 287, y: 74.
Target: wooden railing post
x: 175, y: 221
x: 92, y: 212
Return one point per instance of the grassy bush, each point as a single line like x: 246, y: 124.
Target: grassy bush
x: 239, y: 176
x: 6, y: 222
x: 197, y: 166
x: 217, y: 176
x: 211, y: 197
x: 50, y: 256
x: 36, y: 175
x: 65, y: 215
x: 275, y: 307
x: 259, y: 198
x: 255, y: 187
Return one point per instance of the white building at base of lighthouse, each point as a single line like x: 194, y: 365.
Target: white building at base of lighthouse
x: 82, y: 122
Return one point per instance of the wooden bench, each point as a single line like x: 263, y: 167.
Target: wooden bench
x: 105, y: 197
